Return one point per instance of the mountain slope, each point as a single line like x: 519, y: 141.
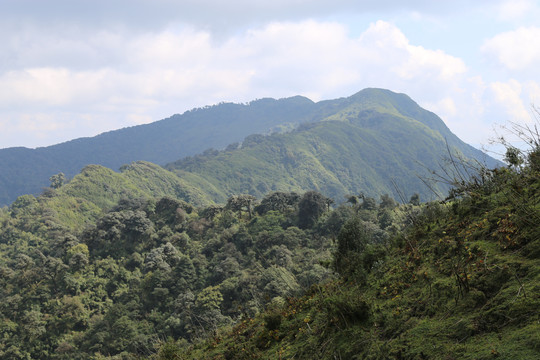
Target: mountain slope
x: 370, y: 111
x: 97, y: 189
x: 26, y: 171
x: 374, y: 142
x: 461, y: 282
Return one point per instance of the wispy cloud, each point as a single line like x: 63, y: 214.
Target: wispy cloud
x: 517, y: 49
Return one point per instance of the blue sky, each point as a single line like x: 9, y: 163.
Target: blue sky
x: 71, y: 69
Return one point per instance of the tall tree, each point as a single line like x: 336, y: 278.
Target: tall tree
x: 57, y: 180
x: 311, y: 206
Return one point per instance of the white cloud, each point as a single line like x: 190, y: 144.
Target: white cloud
x: 515, y: 9
x: 533, y: 90
x: 507, y: 96
x: 517, y: 50
x: 510, y: 103
x: 50, y: 86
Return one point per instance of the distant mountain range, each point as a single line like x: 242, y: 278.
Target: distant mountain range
x: 369, y: 142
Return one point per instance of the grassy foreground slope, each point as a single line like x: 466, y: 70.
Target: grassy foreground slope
x: 463, y: 282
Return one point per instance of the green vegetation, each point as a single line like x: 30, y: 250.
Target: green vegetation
x: 143, y: 264
x: 81, y: 282
x: 27, y: 171
x: 105, y: 187
x: 90, y: 272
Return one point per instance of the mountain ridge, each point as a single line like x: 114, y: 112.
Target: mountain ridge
x: 372, y: 149
x: 160, y: 142
x: 26, y: 171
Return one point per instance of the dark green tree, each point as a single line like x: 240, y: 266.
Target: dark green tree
x: 387, y: 202
x: 239, y: 203
x: 311, y: 206
x: 352, y: 241
x: 415, y: 199
x: 57, y: 180
x: 278, y: 201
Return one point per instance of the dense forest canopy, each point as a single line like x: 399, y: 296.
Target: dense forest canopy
x: 152, y: 269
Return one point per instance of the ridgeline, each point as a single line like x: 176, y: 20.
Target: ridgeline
x: 359, y: 143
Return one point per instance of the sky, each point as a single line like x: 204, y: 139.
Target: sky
x: 72, y: 69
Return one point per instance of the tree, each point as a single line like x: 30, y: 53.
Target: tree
x: 415, y: 199
x: 387, y: 202
x: 369, y: 203
x: 23, y: 205
x: 311, y: 206
x: 57, y: 180
x: 353, y: 239
x: 353, y: 236
x: 352, y: 199
x: 278, y: 201
x: 240, y: 203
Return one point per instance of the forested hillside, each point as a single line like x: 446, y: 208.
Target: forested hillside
x: 459, y: 280
x: 78, y: 282
x: 372, y: 112
x: 288, y: 246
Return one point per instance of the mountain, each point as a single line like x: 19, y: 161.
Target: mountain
x: 373, y: 142
x: 26, y: 171
x: 117, y: 265
x: 372, y: 134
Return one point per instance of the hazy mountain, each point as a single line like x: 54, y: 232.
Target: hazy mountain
x: 27, y: 171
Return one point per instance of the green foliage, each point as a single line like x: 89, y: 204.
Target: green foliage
x: 79, y: 281
x: 158, y: 182
x: 121, y: 265
x: 458, y: 280
x: 278, y: 201
x: 57, y: 180
x: 352, y: 239
x: 310, y: 207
